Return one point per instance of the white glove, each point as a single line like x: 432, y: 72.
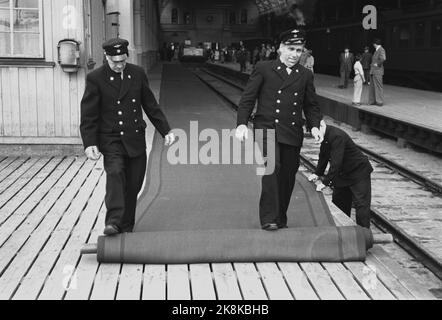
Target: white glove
x: 313, y: 178
x: 320, y: 187
x: 316, y: 133
x: 169, y: 139
x: 242, y: 133
x: 92, y: 153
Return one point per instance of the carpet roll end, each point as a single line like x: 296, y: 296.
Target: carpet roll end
x: 89, y: 249
x: 384, y: 238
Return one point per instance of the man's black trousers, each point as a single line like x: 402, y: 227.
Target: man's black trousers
x: 360, y: 195
x: 277, y: 188
x: 125, y: 177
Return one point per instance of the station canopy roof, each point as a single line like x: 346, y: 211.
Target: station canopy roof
x: 265, y: 6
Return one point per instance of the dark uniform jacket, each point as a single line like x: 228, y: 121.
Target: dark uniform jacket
x: 112, y: 111
x: 281, y: 100
x: 348, y: 164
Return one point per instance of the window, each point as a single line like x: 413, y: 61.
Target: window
x: 404, y: 36
x: 232, y: 17
x: 244, y: 16
x: 436, y: 27
x: 420, y: 34
x: 21, y: 28
x: 187, y: 18
x: 174, y: 16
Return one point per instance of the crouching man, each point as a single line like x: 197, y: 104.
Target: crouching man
x: 349, y: 174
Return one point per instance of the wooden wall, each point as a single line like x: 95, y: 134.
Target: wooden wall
x: 39, y: 104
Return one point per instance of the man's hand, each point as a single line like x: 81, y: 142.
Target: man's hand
x: 242, y: 133
x: 320, y: 187
x: 92, y: 153
x: 169, y: 139
x: 316, y: 133
x: 313, y: 178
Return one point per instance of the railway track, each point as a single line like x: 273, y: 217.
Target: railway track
x: 404, y: 237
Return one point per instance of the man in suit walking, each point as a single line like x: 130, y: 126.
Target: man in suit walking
x: 349, y: 174
x: 112, y: 124
x: 367, y: 57
x: 376, y: 93
x: 346, y: 61
x: 284, y: 89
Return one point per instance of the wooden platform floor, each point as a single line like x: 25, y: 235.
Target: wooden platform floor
x: 50, y: 207
x: 418, y: 107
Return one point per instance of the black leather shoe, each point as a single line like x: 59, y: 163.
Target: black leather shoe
x: 270, y: 227
x: 111, y: 230
x: 283, y: 226
x: 380, y: 104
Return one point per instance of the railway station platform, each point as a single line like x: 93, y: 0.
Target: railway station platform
x: 50, y: 207
x: 410, y: 115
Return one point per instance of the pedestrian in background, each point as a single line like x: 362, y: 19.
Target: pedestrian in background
x: 346, y: 61
x: 241, y: 57
x: 376, y: 95
x: 366, y: 63
x: 307, y: 60
x: 358, y: 81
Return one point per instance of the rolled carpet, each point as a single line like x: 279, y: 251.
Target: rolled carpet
x: 322, y: 244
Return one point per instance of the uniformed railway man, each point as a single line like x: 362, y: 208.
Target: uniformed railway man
x: 283, y: 89
x: 349, y: 174
x: 112, y: 124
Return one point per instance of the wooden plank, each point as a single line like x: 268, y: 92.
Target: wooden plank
x: 321, y: 281
x: 12, y: 275
x: 17, y: 173
x: 88, y: 267
x: 131, y: 278
x: 45, y: 102
x: 26, y: 185
x: 10, y: 167
x: 274, y: 282
x: 345, y: 282
x: 2, y: 122
x: 389, y: 279
x: 406, y: 279
x: 1, y: 160
x: 202, y: 282
x: 7, y: 100
x: 154, y: 284
x: 178, y: 284
x: 64, y: 269
x: 250, y: 282
x: 5, y: 163
x: 106, y: 282
x: 39, y: 270
x: 28, y: 102
x: 226, y: 282
x: 9, y: 249
x: 368, y: 279
x: 15, y: 128
x: 297, y: 281
x: 32, y: 205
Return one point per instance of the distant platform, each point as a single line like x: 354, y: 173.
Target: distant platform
x: 410, y: 115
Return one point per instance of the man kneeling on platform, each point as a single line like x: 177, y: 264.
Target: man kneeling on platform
x: 349, y: 174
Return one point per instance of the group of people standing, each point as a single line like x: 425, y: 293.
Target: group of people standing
x: 368, y: 69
